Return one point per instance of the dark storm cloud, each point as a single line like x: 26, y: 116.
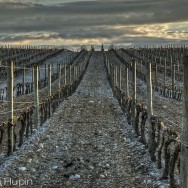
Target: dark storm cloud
x: 84, y: 19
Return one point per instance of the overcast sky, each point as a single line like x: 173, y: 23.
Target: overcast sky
x: 75, y: 22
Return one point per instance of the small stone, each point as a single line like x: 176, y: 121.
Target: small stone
x: 149, y: 182
x: 152, y: 174
x: 65, y: 148
x: 143, y: 147
x: 39, y: 150
x: 41, y: 145
x: 33, y: 170
x: 107, y: 166
x: 99, y: 165
x: 82, y: 142
x: 21, y: 169
x: 48, y: 136
x: 54, y: 167
x: 34, y: 130
x: 91, y: 167
x: 161, y: 186
x: 74, y: 177
x: 91, y: 102
x: 68, y: 183
x: 30, y: 160
x: 137, y: 177
x: 102, y: 176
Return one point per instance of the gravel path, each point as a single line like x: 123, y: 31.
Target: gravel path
x: 86, y: 144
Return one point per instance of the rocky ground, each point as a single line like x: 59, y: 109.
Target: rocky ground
x: 86, y: 144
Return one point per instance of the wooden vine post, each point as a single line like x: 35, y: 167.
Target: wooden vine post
x: 50, y: 87
x: 178, y: 67
x: 50, y: 79
x: 171, y: 66
x: 150, y: 111
x: 127, y: 81
x: 184, y: 137
x: 77, y: 71
x: 23, y: 91
x: 75, y: 74
x: 120, y: 77
x: 65, y: 74
x: 116, y: 75
x: 164, y: 81
x: 109, y: 68
x: 33, y: 75
x: 45, y: 74
x: 10, y: 95
x: 57, y: 68
x: 74, y: 70
x: 59, y: 81
x: 111, y: 72
x: 52, y: 70
x: 70, y: 74
x: 36, y: 98
x: 39, y: 77
x: 81, y: 68
x: 76, y: 67
x: 134, y: 96
x: 173, y: 80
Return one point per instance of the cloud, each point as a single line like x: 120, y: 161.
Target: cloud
x: 105, y: 20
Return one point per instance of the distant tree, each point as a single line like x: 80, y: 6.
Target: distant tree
x: 102, y: 48
x: 83, y: 48
x: 111, y: 47
x: 92, y: 48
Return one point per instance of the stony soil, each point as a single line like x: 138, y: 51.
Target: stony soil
x: 86, y: 144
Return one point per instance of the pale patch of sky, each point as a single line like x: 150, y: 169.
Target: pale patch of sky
x: 45, y: 2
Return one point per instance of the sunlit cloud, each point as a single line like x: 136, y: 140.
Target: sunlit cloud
x: 168, y: 30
